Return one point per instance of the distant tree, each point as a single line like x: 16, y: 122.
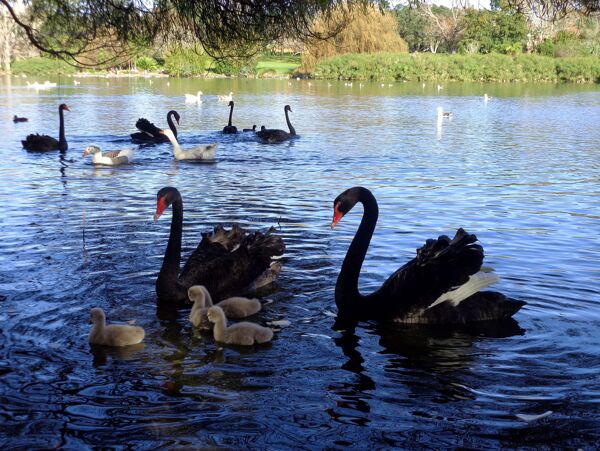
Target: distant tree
x: 492, y: 31
x: 444, y: 24
x: 412, y: 27
x: 367, y: 30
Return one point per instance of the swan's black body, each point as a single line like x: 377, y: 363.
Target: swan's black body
x: 42, y: 143
x: 225, y: 262
x: 230, y: 128
x: 150, y: 133
x: 440, y: 265
x: 272, y: 136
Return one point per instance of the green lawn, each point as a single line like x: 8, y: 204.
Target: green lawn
x: 279, y: 66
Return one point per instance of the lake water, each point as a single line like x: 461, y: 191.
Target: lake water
x: 522, y: 172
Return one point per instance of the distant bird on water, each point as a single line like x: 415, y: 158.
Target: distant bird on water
x: 19, y: 119
x: 441, y: 114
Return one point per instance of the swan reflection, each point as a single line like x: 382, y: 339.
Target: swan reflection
x: 427, y: 360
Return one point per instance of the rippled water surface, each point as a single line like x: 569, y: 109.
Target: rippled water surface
x: 522, y: 172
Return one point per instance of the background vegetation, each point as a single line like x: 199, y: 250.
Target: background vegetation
x: 456, y: 67
x: 512, y: 40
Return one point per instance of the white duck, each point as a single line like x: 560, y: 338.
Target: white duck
x: 487, y: 98
x: 191, y: 98
x: 227, y: 98
x: 112, y: 158
x: 234, y: 307
x: 243, y: 333
x: 114, y: 334
x: 202, y: 152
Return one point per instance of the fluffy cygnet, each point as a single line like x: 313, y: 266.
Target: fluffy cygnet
x: 113, y: 334
x: 243, y: 333
x: 234, y: 307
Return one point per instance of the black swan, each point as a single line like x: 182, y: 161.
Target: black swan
x: 431, y: 288
x: 270, y: 135
x: 24, y: 119
x: 227, y: 263
x: 150, y: 133
x: 230, y: 128
x: 45, y: 142
x: 253, y: 129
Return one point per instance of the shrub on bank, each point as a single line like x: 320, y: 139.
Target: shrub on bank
x: 456, y: 67
x: 41, y: 66
x: 186, y: 62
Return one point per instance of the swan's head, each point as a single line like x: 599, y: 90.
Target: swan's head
x: 97, y: 315
x: 91, y: 150
x: 345, y: 202
x: 197, y: 294
x: 175, y: 115
x: 231, y: 103
x: 287, y: 108
x: 165, y: 197
x: 215, y: 313
x: 262, y: 127
x: 63, y: 106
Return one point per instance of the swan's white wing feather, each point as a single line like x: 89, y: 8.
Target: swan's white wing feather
x: 476, y: 282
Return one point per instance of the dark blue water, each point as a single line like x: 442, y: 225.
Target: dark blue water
x: 522, y: 172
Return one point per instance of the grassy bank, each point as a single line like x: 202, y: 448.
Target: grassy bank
x: 41, y: 66
x: 471, y: 68
x: 177, y: 63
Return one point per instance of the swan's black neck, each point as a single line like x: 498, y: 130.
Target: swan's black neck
x: 169, y: 272
x: 289, y: 124
x: 230, y: 114
x: 171, y: 123
x: 346, y: 288
x: 62, y: 141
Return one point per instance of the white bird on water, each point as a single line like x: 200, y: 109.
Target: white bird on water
x: 191, y: 98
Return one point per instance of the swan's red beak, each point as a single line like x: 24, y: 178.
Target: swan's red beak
x: 337, y: 215
x: 162, y: 132
x: 161, y: 205
x: 67, y: 108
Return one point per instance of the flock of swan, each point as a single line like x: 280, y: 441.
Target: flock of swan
x: 148, y: 133
x: 443, y: 284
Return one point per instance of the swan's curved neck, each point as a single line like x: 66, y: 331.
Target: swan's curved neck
x: 171, y: 123
x: 220, y: 326
x: 346, y: 288
x: 61, y: 131
x: 169, y: 271
x: 177, y: 152
x: 289, y: 124
x: 230, y: 115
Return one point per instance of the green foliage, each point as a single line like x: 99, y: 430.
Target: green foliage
x: 186, y: 61
x: 493, y: 31
x: 146, y: 63
x: 42, y: 66
x: 275, y: 68
x: 412, y: 27
x: 568, y: 44
x: 546, y: 47
x: 456, y: 67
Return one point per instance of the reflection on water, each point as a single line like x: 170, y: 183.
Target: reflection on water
x: 520, y: 171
